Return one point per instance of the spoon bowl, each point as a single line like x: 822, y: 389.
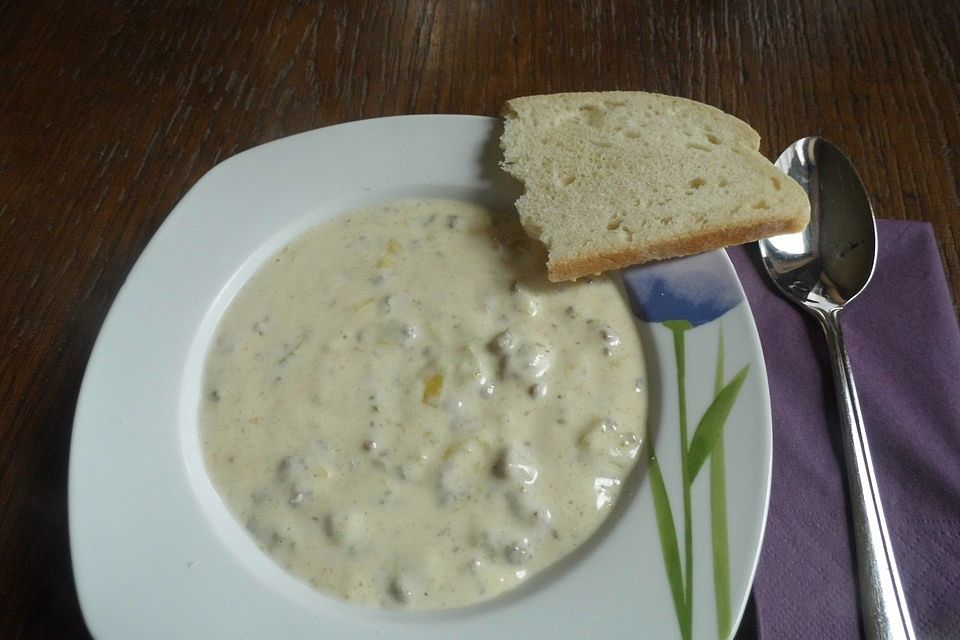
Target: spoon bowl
x: 822, y: 269
x: 829, y: 263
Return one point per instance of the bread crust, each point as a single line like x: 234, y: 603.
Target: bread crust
x: 594, y: 264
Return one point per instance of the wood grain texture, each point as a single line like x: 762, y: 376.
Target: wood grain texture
x: 111, y: 111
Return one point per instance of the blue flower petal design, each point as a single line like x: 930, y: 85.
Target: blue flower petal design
x: 693, y: 288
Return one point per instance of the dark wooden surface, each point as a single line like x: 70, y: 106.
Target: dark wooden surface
x: 110, y: 111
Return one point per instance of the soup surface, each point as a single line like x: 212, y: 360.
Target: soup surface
x: 404, y: 412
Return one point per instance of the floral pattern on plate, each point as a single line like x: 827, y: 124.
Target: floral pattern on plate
x: 684, y: 295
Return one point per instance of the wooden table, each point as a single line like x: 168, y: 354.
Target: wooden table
x: 111, y: 111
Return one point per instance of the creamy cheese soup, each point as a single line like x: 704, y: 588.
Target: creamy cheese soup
x: 404, y: 412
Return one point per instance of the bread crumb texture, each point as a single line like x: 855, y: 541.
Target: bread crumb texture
x: 624, y: 177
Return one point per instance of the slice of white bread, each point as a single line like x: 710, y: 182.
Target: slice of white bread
x: 623, y: 177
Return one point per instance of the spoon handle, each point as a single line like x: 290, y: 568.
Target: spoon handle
x: 885, y: 614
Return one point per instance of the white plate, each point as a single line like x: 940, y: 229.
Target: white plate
x: 157, y: 555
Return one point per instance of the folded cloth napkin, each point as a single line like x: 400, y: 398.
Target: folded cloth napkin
x: 904, y: 346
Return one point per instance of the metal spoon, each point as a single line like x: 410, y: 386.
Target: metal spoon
x: 822, y: 269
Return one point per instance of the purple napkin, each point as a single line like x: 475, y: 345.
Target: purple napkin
x: 904, y: 346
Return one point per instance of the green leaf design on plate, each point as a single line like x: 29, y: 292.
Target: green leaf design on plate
x: 721, y: 546
x: 669, y: 546
x: 707, y: 443
x: 711, y: 425
x: 718, y: 514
